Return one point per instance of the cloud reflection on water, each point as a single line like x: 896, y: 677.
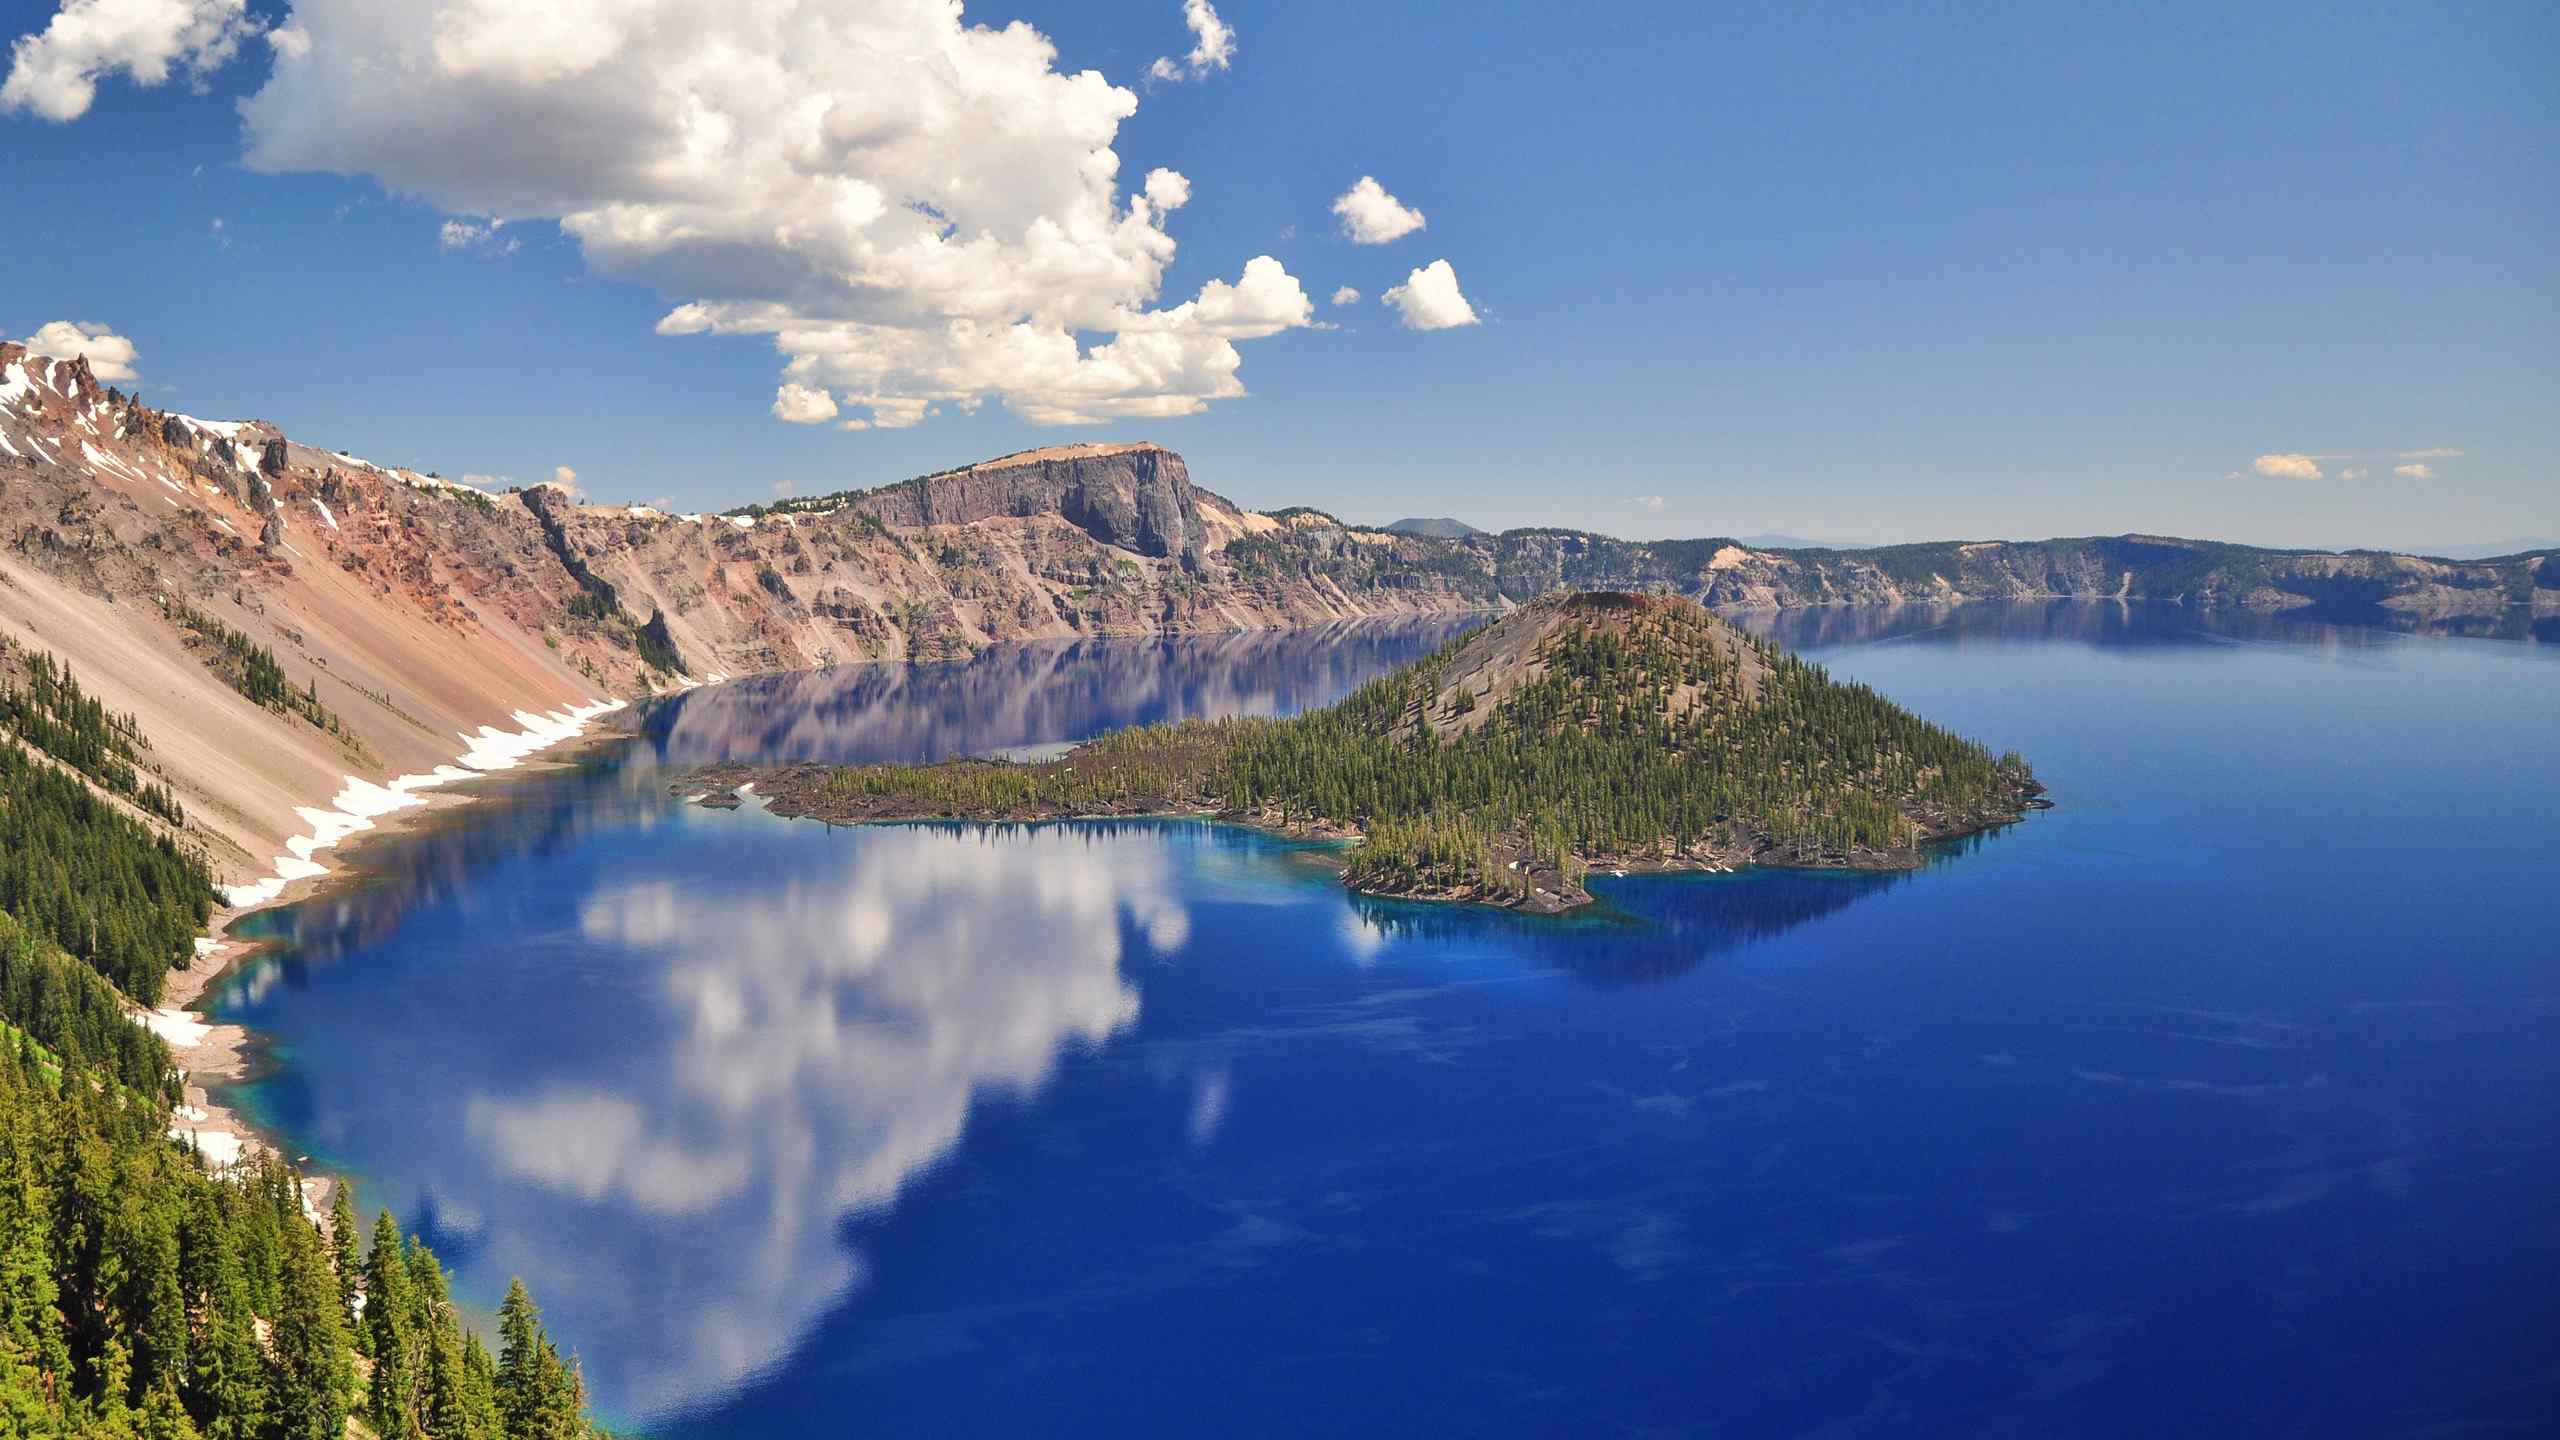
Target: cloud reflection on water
x: 829, y: 1034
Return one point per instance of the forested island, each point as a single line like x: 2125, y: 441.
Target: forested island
x: 145, y: 1292
x: 1578, y: 732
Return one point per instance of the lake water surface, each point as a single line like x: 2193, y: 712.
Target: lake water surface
x: 2224, y: 1097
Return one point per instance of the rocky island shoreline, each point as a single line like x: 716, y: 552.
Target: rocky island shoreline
x: 1592, y: 732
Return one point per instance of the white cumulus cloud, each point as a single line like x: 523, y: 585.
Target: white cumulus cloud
x: 110, y: 355
x: 921, y: 213
x: 565, y: 478
x: 2414, y: 472
x: 803, y: 405
x: 1213, y: 45
x: 1371, y: 216
x: 2286, y: 467
x: 55, y: 71
x: 1429, y: 299
x: 1346, y: 296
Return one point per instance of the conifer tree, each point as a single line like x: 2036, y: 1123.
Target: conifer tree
x: 314, y: 1373
x: 345, y: 1258
x: 539, y: 1397
x: 390, y: 1322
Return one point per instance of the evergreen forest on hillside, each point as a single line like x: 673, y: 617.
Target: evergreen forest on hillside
x: 143, y: 1292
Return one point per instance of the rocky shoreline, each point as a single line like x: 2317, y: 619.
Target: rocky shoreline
x: 801, y: 791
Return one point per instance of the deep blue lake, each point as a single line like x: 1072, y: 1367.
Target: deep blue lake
x: 2223, y: 1098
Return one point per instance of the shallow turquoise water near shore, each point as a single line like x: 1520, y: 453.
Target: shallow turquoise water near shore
x: 2222, y: 1097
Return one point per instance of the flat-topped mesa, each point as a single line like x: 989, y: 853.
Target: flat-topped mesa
x: 1626, y: 731
x: 1138, y: 497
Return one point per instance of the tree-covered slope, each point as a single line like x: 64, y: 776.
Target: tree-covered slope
x: 1579, y: 731
x: 144, y: 1293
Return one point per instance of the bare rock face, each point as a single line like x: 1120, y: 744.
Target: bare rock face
x: 262, y: 498
x: 271, y: 458
x: 1135, y: 497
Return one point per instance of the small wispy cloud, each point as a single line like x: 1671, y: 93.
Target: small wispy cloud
x: 2287, y: 466
x: 1213, y: 46
x: 1371, y: 216
x: 2414, y: 472
x: 1649, y: 502
x: 477, y: 235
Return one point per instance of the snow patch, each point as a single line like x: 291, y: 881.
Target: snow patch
x: 323, y: 508
x: 14, y: 384
x: 227, y: 429
x: 181, y: 1028
x: 12, y: 449
x: 220, y: 1148
x: 360, y: 802
x: 97, y: 457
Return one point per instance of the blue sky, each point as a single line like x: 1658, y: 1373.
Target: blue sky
x: 1875, y: 275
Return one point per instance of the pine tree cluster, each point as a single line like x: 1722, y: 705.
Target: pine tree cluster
x: 52, y: 713
x: 94, y: 880
x: 251, y: 668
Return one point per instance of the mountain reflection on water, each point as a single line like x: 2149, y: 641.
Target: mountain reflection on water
x: 1027, y: 695
x: 1148, y: 1127
x: 2133, y: 622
